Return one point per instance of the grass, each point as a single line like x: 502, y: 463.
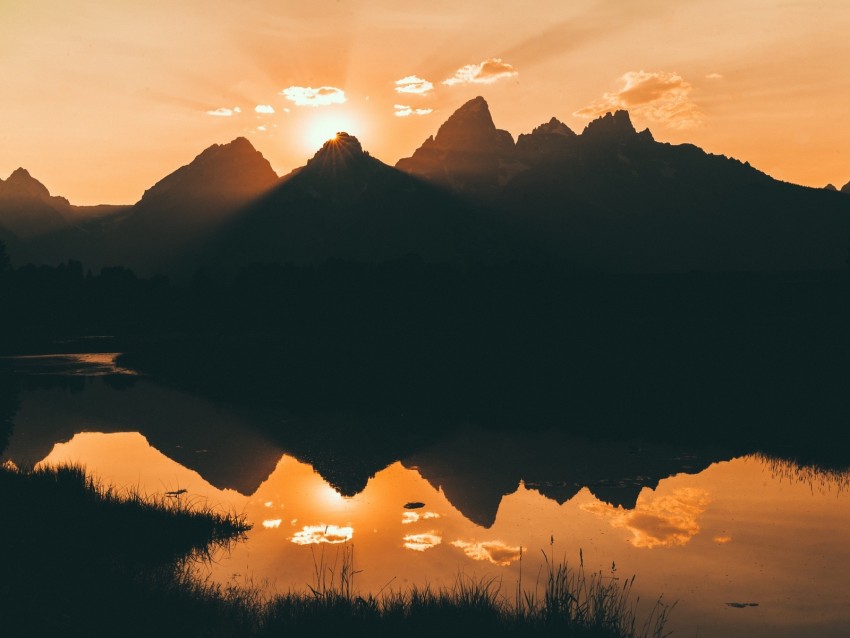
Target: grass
x: 564, y: 602
x: 80, y: 558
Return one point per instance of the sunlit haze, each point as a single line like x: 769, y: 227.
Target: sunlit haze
x: 104, y: 99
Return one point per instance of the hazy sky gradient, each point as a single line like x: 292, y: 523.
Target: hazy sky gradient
x: 102, y: 99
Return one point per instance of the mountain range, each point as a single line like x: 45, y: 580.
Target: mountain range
x: 608, y: 198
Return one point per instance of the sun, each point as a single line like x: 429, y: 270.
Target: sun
x: 322, y: 127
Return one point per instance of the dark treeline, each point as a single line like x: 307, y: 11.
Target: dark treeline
x: 697, y: 356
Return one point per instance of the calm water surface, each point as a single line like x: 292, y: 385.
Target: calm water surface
x: 738, y: 530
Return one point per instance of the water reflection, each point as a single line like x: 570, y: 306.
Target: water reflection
x: 738, y: 530
x: 98, y: 364
x: 705, y: 529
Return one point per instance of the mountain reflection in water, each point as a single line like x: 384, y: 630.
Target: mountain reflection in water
x: 745, y: 529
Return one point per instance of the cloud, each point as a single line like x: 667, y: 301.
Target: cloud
x: 265, y: 109
x: 496, y: 552
x: 413, y: 84
x: 223, y: 112
x: 714, y: 76
x: 272, y: 523
x: 308, y: 96
x: 487, y: 72
x: 657, y: 96
x: 660, y: 521
x: 402, y: 110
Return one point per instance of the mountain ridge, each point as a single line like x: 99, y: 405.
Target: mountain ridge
x: 609, y: 198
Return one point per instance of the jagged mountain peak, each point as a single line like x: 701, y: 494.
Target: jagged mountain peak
x: 232, y: 170
x: 554, y: 127
x: 21, y: 184
x: 340, y: 145
x: 616, y: 126
x: 467, y: 154
x: 830, y: 187
x: 846, y: 188
x: 470, y: 123
x: 239, y: 147
x: 341, y: 158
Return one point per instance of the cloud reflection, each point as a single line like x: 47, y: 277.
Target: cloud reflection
x: 412, y: 517
x: 315, y: 534
x: 661, y: 521
x: 421, y: 542
x: 496, y: 552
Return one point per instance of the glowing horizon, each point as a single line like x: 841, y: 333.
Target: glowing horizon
x: 108, y: 100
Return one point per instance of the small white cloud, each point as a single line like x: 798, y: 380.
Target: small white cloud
x: 413, y: 84
x: 222, y: 112
x: 262, y: 127
x: 714, y: 76
x: 236, y: 109
x: 265, y: 109
x: 286, y: 110
x: 272, y: 523
x: 308, y: 96
x: 403, y: 110
x: 486, y: 72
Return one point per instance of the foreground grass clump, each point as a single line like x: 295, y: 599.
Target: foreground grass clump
x: 81, y: 557
x: 564, y: 602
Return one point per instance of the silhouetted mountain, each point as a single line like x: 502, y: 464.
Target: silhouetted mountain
x: 830, y: 187
x: 27, y: 209
x: 468, y: 155
x: 221, y: 178
x: 168, y: 230
x: 547, y: 142
x: 846, y: 188
x: 614, y: 198
x: 346, y: 204
x: 619, y: 200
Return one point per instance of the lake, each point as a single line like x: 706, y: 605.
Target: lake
x: 745, y: 544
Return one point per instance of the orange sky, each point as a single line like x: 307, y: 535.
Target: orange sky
x: 100, y: 100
